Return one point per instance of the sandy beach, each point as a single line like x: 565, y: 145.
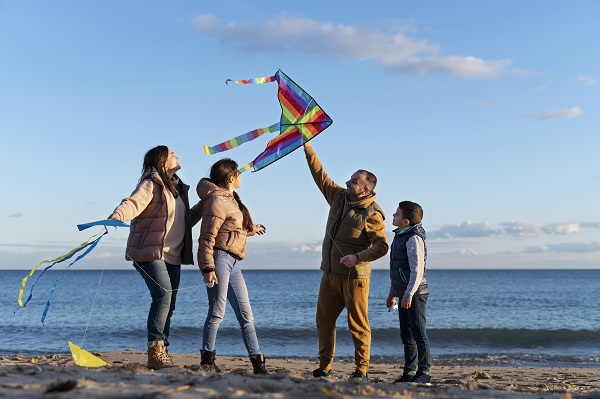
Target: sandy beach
x: 56, y: 376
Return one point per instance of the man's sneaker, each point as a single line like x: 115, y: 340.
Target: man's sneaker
x: 321, y: 373
x: 358, y: 376
x: 405, y: 377
x: 421, y: 378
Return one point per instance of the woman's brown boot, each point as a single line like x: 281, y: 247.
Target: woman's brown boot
x: 158, y: 358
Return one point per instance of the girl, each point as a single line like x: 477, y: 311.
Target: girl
x: 160, y: 241
x: 222, y: 245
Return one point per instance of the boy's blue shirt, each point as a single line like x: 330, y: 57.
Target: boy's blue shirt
x: 399, y: 231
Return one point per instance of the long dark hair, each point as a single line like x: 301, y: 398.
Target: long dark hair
x: 157, y: 158
x: 220, y: 173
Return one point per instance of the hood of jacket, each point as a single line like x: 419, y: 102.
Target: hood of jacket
x: 206, y: 189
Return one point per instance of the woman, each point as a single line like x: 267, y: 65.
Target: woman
x: 221, y: 246
x: 160, y: 241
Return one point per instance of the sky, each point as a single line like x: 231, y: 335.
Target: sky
x: 485, y: 113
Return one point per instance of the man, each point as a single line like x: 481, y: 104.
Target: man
x: 355, y: 236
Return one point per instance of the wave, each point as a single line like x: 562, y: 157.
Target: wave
x: 522, y: 338
x: 488, y: 337
x: 460, y: 337
x: 448, y: 346
x: 503, y: 360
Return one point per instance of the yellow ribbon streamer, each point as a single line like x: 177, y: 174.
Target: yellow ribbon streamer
x: 60, y: 258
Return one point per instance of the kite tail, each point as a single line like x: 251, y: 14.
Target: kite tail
x: 257, y: 81
x: 54, y: 261
x: 246, y: 167
x: 68, y: 255
x: 241, y: 139
x: 90, y: 247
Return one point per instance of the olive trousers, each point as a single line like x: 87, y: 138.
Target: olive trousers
x: 335, y: 294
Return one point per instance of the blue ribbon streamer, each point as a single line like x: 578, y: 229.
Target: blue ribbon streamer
x: 90, y: 246
x: 58, y: 261
x: 105, y: 223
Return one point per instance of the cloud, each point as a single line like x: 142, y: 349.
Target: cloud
x: 590, y: 225
x: 283, y: 255
x: 16, y: 215
x: 307, y: 248
x: 562, y: 228
x: 285, y: 249
x: 465, y: 230
x: 512, y: 229
x: 586, y: 80
x: 391, y: 48
x: 531, y: 229
x: 482, y: 103
x: 44, y: 245
x: 538, y: 89
x: 106, y: 254
x: 468, y: 252
x: 578, y: 247
x: 206, y: 22
x: 44, y: 248
x: 556, y: 114
x: 521, y: 229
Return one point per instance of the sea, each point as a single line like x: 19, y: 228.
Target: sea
x: 522, y: 318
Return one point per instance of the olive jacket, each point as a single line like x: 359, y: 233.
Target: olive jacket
x: 352, y: 227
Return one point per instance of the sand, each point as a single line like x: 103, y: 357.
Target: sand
x: 56, y: 376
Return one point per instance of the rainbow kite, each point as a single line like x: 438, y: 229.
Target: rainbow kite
x: 83, y: 249
x: 301, y: 120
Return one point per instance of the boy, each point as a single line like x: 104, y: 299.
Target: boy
x: 408, y: 256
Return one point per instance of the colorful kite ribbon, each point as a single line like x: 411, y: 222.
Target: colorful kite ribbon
x: 241, y: 139
x: 255, y: 81
x: 85, y: 248
x: 301, y: 120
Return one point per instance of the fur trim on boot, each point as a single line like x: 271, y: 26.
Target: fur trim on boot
x: 158, y: 358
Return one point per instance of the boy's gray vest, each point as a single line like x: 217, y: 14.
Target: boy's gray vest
x: 399, y: 267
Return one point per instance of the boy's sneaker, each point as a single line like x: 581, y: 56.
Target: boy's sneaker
x: 405, y: 377
x: 421, y: 378
x: 321, y: 373
x: 358, y: 376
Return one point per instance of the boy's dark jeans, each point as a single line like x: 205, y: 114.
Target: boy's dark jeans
x: 414, y: 336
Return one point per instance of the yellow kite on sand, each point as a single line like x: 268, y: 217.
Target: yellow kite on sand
x: 85, y: 358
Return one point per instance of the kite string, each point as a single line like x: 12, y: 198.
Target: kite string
x: 150, y: 277
x: 138, y: 267
x: 91, y: 310
x: 94, y: 300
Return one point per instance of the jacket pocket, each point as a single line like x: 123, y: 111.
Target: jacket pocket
x: 229, y: 240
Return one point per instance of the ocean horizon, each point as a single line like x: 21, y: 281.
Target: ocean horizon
x: 474, y: 316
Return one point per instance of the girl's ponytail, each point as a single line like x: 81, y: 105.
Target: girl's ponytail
x: 247, y: 224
